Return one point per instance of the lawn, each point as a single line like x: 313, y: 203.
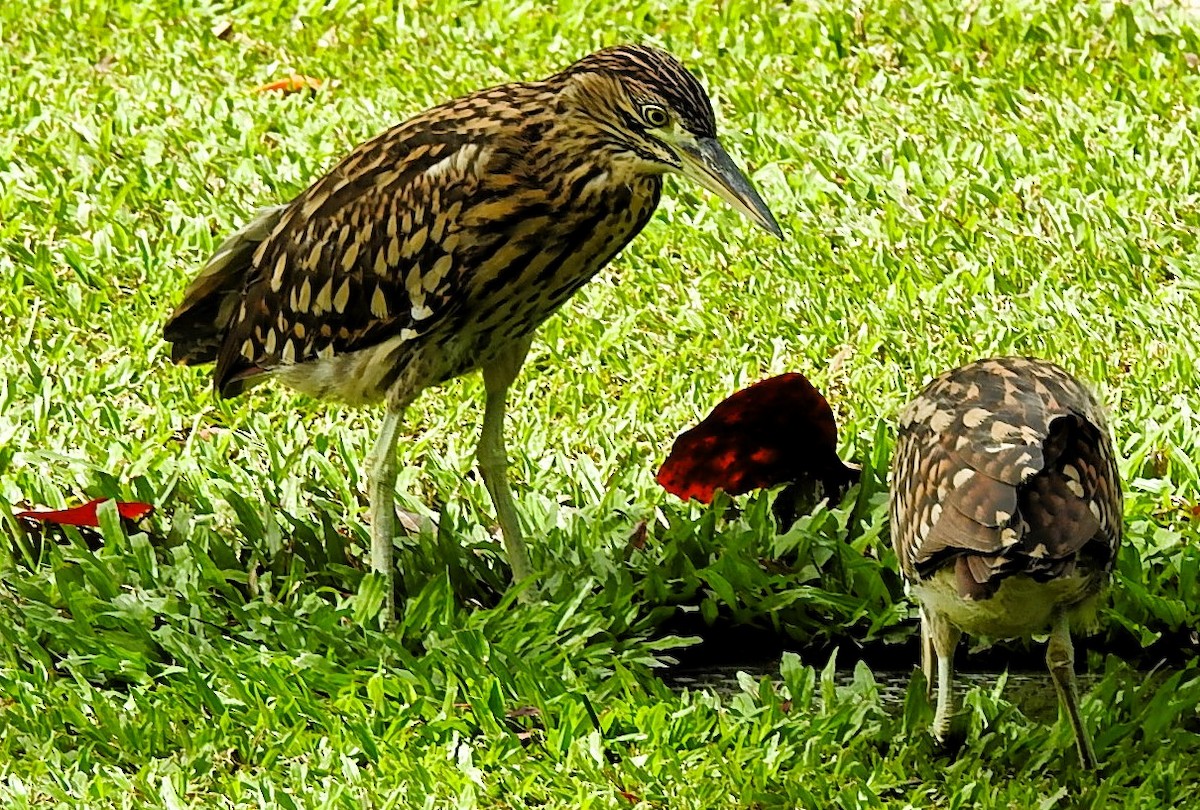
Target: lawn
x: 954, y: 181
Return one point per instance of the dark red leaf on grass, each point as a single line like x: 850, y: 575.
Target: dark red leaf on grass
x: 85, y: 514
x: 776, y: 431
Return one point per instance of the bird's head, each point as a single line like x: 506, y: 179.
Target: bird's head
x: 648, y: 110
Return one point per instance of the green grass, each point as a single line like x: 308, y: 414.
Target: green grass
x: 955, y: 181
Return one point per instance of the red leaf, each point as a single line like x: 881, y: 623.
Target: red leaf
x: 773, y: 432
x: 85, y: 514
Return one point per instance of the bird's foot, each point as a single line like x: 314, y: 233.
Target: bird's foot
x: 950, y: 733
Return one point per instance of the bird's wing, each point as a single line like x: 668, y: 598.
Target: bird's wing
x: 1006, y: 464
x: 373, y: 250
x: 197, y: 327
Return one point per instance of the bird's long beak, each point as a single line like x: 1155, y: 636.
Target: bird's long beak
x: 706, y: 162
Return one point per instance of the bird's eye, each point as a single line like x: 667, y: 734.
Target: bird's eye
x: 655, y: 115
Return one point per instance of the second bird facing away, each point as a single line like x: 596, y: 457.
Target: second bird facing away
x: 1006, y: 513
x: 1005, y: 500
x: 439, y: 246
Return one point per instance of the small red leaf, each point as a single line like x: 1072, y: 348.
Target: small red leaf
x: 85, y: 514
x: 773, y: 432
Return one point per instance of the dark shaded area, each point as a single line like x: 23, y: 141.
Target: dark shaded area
x: 729, y: 645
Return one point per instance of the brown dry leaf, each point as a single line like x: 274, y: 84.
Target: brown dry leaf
x: 291, y: 84
x: 843, y: 354
x: 638, y: 538
x: 411, y: 521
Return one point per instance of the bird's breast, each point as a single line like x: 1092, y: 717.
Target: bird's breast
x: 1020, y: 607
x: 529, y: 269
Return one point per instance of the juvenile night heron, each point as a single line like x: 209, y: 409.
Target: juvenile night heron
x: 1006, y: 513
x: 439, y: 246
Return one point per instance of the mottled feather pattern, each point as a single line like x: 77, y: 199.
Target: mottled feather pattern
x: 431, y: 246
x: 1004, y: 466
x: 335, y: 274
x: 210, y: 300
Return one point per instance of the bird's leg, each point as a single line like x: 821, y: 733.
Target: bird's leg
x: 498, y: 375
x: 381, y: 490
x: 944, y: 637
x: 928, y: 657
x: 1060, y: 658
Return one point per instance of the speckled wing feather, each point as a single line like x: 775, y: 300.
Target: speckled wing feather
x: 366, y: 253
x: 462, y: 229
x: 377, y: 248
x: 210, y: 301
x: 1004, y: 466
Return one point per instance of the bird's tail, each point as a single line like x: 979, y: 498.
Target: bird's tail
x: 198, y: 325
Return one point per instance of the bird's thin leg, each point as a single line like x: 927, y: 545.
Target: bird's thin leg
x: 1060, y: 658
x: 928, y: 656
x: 498, y: 375
x: 945, y: 638
x: 381, y: 489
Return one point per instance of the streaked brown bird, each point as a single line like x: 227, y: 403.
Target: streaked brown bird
x: 1006, y: 513
x: 439, y: 246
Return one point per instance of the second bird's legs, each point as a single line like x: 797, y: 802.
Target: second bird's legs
x: 381, y: 490
x: 1060, y: 658
x: 928, y: 657
x: 498, y: 375
x: 942, y: 638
